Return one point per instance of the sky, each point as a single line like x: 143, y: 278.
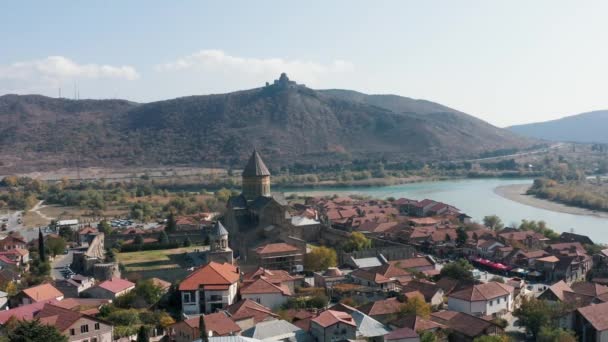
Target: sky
x: 506, y: 62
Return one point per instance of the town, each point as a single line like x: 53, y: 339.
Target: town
x: 327, y: 268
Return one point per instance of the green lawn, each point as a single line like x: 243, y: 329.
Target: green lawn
x: 156, y: 259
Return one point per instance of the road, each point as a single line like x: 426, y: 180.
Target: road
x: 60, y: 262
x: 521, y: 154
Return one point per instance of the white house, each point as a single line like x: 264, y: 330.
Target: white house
x: 266, y: 293
x: 482, y: 300
x: 213, y: 286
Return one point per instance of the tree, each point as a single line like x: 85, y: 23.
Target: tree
x: 448, y: 238
x: 357, y: 241
x: 498, y: 279
x: 138, y: 240
x: 11, y: 289
x: 461, y: 236
x: 459, y: 269
x: 67, y: 233
x: 492, y: 338
x: 428, y: 336
x: 142, y: 334
x: 171, y: 224
x: 493, y: 222
x: 187, y: 242
x: 415, y: 306
x: 320, y: 258
x: 34, y: 331
x: 163, y: 237
x: 56, y: 245
x: 549, y: 334
x: 105, y: 227
x: 203, y: 329
x: 41, y: 251
x: 534, y: 314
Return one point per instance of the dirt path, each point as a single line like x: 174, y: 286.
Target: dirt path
x: 517, y: 193
x: 36, y: 209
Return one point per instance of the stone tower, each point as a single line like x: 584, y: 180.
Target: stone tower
x: 219, y: 250
x: 256, y: 178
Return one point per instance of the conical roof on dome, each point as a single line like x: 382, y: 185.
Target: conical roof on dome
x: 219, y: 229
x: 255, y: 166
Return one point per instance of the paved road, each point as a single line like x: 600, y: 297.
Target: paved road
x: 60, y: 262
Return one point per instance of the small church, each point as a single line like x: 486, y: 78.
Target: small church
x: 256, y: 207
x: 219, y: 250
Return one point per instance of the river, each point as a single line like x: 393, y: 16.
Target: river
x: 477, y: 198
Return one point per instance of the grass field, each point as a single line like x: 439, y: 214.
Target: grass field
x: 168, y: 264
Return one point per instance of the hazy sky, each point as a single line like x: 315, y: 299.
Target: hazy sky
x: 506, y: 62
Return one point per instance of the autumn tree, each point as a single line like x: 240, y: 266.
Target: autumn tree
x: 415, y: 306
x: 549, y: 334
x: 320, y: 258
x: 356, y: 242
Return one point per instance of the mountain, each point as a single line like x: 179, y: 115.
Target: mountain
x: 288, y: 123
x: 586, y: 127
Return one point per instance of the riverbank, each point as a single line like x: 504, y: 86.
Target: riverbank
x: 517, y: 193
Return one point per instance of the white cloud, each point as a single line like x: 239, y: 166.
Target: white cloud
x: 54, y: 70
x: 218, y: 60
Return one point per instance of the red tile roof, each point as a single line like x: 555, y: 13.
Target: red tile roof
x: 273, y: 276
x: 116, y: 285
x: 412, y: 262
x: 263, y: 286
x: 400, y: 333
x: 218, y: 323
x: 59, y: 317
x: 42, y: 292
x: 330, y: 317
x: 483, y: 292
x: 387, y: 306
x: 276, y: 248
x: 212, y: 274
x: 247, y: 308
x: 596, y: 315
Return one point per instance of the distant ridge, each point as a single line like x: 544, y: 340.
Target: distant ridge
x: 287, y: 122
x: 590, y: 127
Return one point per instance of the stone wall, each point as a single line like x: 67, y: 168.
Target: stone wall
x: 197, y: 236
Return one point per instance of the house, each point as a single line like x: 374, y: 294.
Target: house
x: 18, y: 255
x: 372, y: 279
x: 277, y: 277
x: 332, y: 326
x: 571, y: 237
x: 422, y: 208
x: 213, y: 286
x: 432, y: 293
x: 163, y: 285
x: 382, y: 310
x: 465, y: 327
x: 276, y: 330
x: 111, y: 289
x: 482, y: 300
x: 592, y: 322
x: 366, y: 262
x: 76, y: 325
x: 419, y: 263
x: 367, y: 327
x: 416, y: 323
x: 247, y: 313
x: 266, y: 293
x: 73, y: 287
x: 564, y: 267
x: 35, y: 294
x: 86, y: 235
x: 402, y: 335
x: 280, y: 256
x: 12, y: 242
x: 216, y: 324
x: 329, y: 277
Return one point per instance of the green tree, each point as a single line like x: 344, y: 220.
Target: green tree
x: 163, y: 237
x: 171, y: 224
x: 357, y: 241
x: 459, y: 269
x: 41, y: 250
x: 56, y: 245
x: 187, y: 242
x: 533, y: 314
x: 415, y: 306
x: 203, y: 329
x: 105, y: 227
x: 142, y: 334
x: 320, y: 258
x: 461, y: 236
x: 67, y: 233
x: 492, y: 338
x: 549, y: 334
x: 34, y: 331
x: 138, y: 240
x: 493, y: 222
x: 223, y: 195
x: 428, y: 336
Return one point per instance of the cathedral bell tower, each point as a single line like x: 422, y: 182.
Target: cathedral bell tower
x: 256, y: 178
